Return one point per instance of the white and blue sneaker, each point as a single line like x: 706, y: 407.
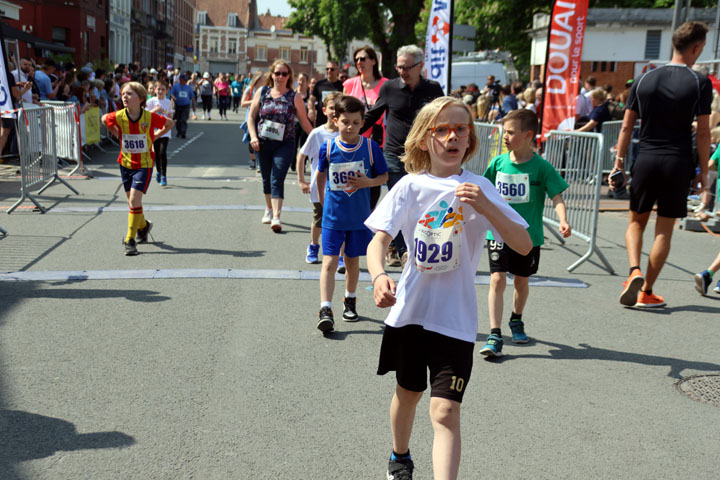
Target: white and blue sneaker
x: 702, y: 282
x: 493, y: 346
x: 717, y: 287
x: 341, y: 266
x: 312, y: 254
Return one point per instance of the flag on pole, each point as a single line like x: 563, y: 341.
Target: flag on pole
x: 562, y: 64
x: 438, y: 43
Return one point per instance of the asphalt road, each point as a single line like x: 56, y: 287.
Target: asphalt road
x: 199, y: 358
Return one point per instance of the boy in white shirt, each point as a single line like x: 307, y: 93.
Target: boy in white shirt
x: 162, y: 106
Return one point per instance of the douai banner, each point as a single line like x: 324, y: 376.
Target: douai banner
x: 562, y: 64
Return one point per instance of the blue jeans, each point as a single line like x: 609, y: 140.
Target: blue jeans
x: 275, y: 159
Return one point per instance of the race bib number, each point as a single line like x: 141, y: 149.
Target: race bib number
x: 272, y: 130
x: 340, y: 172
x: 513, y: 187
x: 182, y: 94
x: 438, y: 239
x: 134, y: 143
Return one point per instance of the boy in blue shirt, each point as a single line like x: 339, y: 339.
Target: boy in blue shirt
x: 347, y: 166
x: 523, y: 178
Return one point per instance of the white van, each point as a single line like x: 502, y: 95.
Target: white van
x: 466, y: 72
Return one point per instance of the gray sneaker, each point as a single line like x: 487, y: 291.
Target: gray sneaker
x: 142, y: 233
x: 130, y: 248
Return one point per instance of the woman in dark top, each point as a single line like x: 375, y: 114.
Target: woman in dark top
x: 271, y: 125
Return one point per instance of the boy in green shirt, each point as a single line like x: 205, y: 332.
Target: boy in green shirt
x: 523, y: 178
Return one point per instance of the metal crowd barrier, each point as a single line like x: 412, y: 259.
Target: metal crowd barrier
x: 489, y: 146
x: 38, y: 159
x: 578, y: 158
x: 3, y: 231
x: 68, y: 144
x: 611, y: 132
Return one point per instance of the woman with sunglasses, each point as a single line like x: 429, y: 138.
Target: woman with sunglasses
x: 271, y: 125
x: 366, y: 87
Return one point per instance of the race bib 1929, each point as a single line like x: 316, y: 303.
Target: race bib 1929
x: 513, y: 187
x: 134, y: 143
x: 438, y: 239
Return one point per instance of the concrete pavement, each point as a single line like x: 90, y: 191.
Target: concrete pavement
x: 195, y: 374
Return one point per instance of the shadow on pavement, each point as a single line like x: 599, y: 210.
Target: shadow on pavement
x: 29, y: 436
x: 26, y: 290
x: 585, y: 351
x: 169, y: 249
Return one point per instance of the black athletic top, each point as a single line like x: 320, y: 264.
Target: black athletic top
x: 320, y: 91
x: 402, y: 106
x: 667, y: 100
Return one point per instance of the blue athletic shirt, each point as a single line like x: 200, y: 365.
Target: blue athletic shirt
x: 236, y: 88
x: 348, y: 210
x: 183, y: 94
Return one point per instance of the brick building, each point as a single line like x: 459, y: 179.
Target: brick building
x: 78, y: 28
x: 152, y: 32
x: 620, y: 44
x: 183, y: 36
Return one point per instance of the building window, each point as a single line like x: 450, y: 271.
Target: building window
x: 284, y: 53
x: 232, y: 20
x: 261, y: 52
x: 59, y: 35
x: 213, y: 45
x: 232, y: 46
x: 594, y: 67
x: 202, y: 18
x: 303, y: 55
x: 652, y: 44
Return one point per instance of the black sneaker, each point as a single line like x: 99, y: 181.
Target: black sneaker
x: 130, y: 247
x: 142, y: 233
x: 349, y: 310
x: 400, y: 469
x: 327, y: 321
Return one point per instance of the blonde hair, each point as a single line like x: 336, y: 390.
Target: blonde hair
x: 271, y: 78
x: 599, y: 94
x: 417, y: 160
x: 715, y: 135
x: 331, y: 97
x: 138, y: 88
x: 481, y: 107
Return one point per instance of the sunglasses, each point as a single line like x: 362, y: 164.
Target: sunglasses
x: 281, y: 74
x: 330, y: 69
x: 400, y: 68
x: 443, y: 131
x: 360, y: 59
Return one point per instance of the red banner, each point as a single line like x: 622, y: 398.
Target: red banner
x: 562, y: 65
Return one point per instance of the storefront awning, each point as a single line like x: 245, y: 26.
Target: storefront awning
x: 32, y: 40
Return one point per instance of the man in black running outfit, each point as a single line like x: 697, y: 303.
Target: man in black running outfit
x: 667, y: 100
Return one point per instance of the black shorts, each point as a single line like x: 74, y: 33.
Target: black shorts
x: 411, y: 350
x: 8, y: 122
x: 664, y: 179
x: 317, y: 214
x: 505, y: 259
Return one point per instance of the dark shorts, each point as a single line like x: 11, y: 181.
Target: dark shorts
x: 661, y: 179
x: 356, y: 242
x: 411, y: 350
x: 505, y: 259
x: 138, y: 179
x: 317, y: 214
x: 8, y: 122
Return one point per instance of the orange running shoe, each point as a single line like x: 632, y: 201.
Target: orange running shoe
x: 631, y: 288
x: 645, y: 300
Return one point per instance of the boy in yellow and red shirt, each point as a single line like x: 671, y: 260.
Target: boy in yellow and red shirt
x: 135, y: 127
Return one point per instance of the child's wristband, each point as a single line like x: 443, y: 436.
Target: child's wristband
x: 378, y: 276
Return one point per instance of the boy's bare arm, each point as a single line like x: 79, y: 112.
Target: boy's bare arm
x: 514, y: 234
x: 361, y: 181
x: 561, y: 211
x: 300, y: 168
x: 320, y: 182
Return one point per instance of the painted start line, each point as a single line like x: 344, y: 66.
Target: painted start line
x: 231, y: 273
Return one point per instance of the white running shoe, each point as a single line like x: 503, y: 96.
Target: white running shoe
x: 276, y: 225
x: 267, y: 216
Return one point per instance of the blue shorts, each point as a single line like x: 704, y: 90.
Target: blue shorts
x: 356, y: 242
x: 138, y: 179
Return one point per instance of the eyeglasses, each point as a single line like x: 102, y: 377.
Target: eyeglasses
x: 443, y: 131
x: 401, y: 68
x: 330, y: 69
x: 281, y: 74
x: 360, y: 59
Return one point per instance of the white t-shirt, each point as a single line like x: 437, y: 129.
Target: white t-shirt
x: 21, y: 77
x: 315, y: 140
x: 167, y: 110
x: 446, y: 302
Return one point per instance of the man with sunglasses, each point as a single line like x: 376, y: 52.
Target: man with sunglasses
x: 402, y: 98
x: 331, y: 83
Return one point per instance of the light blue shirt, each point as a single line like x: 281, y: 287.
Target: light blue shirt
x: 44, y: 84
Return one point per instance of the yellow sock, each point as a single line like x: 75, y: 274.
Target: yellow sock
x: 143, y: 222
x: 134, y: 219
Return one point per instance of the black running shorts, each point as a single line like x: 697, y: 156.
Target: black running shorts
x: 411, y: 350
x: 505, y: 259
x: 661, y: 179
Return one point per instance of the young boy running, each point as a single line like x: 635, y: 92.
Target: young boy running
x: 162, y: 106
x: 522, y: 178
x: 136, y: 128
x: 349, y: 164
x: 317, y: 138
x: 434, y: 318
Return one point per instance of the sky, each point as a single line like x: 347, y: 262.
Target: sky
x: 277, y: 7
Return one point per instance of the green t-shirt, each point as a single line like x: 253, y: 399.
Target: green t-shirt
x: 524, y: 186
